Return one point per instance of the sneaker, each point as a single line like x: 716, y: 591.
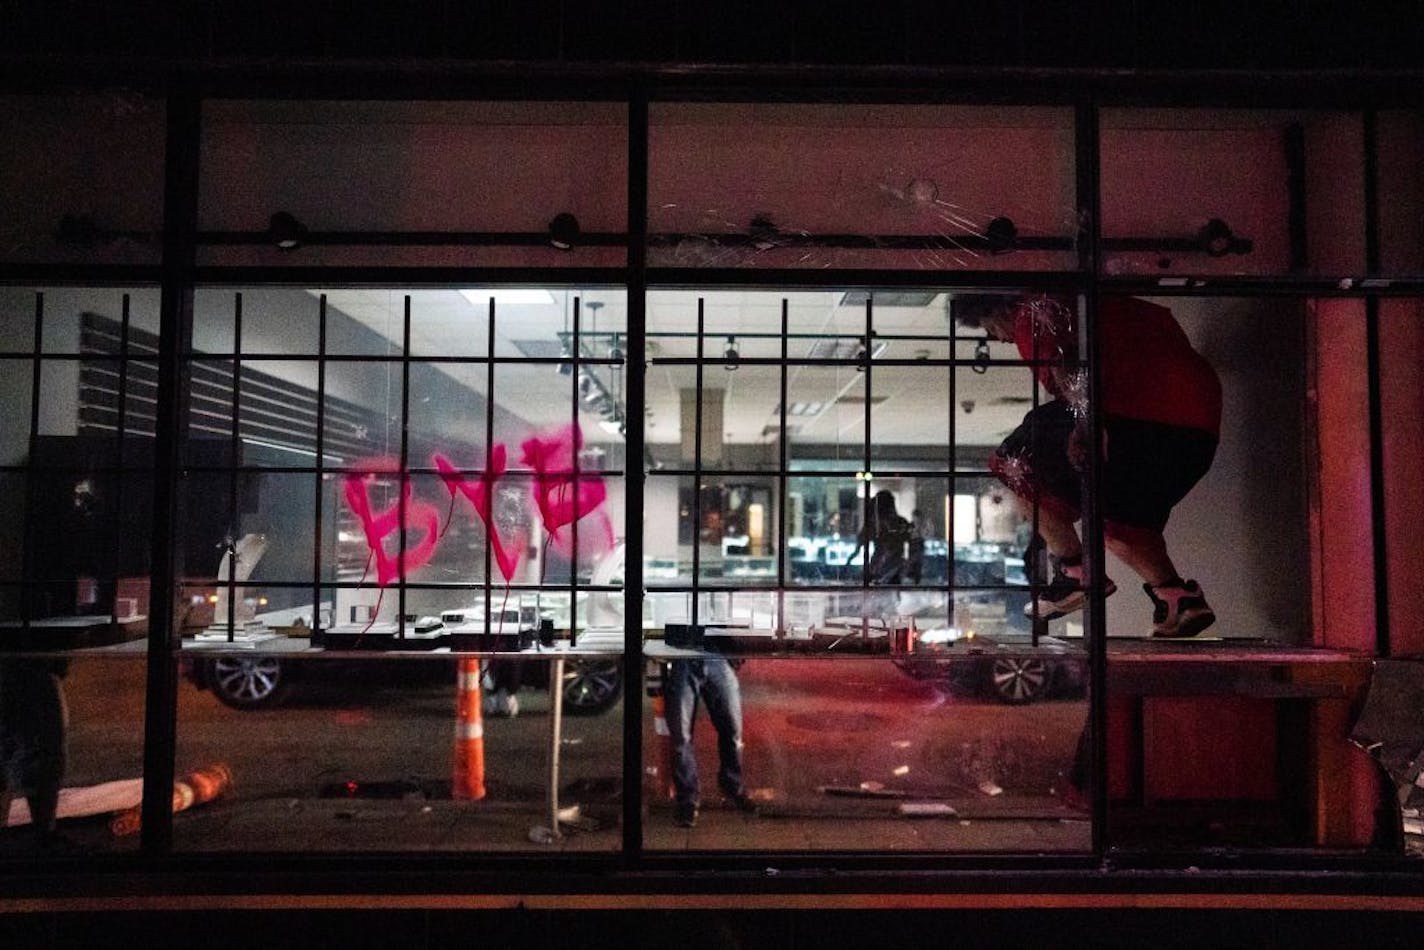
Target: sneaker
x: 501, y: 703
x: 1063, y: 595
x: 1179, y: 609
x: 685, y: 814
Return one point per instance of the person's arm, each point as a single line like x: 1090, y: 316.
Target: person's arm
x: 860, y: 541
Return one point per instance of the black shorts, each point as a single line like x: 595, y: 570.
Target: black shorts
x: 1147, y: 469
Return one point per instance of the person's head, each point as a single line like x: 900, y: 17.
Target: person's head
x: 995, y: 314
x: 883, y: 504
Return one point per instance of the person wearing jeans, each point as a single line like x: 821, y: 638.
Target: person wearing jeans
x: 710, y: 681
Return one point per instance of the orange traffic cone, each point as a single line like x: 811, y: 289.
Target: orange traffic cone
x: 468, y: 780
x: 195, y: 788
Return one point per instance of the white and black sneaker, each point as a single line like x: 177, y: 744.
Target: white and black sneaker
x: 1179, y: 609
x: 1063, y: 595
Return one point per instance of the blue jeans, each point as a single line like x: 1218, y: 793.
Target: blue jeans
x: 713, y: 681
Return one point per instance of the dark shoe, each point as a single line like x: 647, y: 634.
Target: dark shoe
x: 742, y: 803
x: 1179, y: 609
x: 685, y: 815
x: 1063, y: 595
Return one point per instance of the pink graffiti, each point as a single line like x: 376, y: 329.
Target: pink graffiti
x: 378, y: 525
x: 563, y: 496
x: 480, y: 492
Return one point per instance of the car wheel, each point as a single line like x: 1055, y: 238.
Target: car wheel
x: 1018, y: 680
x: 591, y: 686
x: 249, y: 682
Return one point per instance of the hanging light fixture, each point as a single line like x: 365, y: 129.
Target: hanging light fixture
x: 731, y: 355
x: 563, y: 231
x: 285, y: 232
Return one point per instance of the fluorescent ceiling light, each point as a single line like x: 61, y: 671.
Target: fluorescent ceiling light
x: 889, y: 298
x: 508, y: 295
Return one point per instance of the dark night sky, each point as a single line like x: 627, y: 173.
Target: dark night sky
x: 1134, y: 34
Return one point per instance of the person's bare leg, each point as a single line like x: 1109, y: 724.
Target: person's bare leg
x: 1146, y: 555
x: 1060, y: 534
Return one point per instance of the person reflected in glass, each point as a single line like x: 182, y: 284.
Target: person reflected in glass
x: 1161, y: 409
x: 711, y: 681
x: 921, y: 529
x: 33, y: 722
x: 887, y: 536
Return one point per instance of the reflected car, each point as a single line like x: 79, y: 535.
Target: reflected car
x: 1005, y: 665
x: 591, y: 685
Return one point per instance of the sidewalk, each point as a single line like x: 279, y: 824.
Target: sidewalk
x: 316, y: 826
x: 419, y: 825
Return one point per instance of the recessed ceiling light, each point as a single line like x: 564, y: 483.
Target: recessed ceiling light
x: 509, y: 295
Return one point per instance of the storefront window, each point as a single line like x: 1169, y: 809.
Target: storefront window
x: 880, y: 672
x: 868, y: 514
x: 79, y: 387
x: 364, y: 525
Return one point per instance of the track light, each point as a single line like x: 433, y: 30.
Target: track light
x: 764, y: 232
x: 563, y: 231
x: 731, y: 355
x: 1002, y: 235
x: 1216, y: 240
x: 284, y: 231
x: 981, y: 357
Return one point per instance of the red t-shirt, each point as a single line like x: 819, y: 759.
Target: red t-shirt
x: 1148, y: 370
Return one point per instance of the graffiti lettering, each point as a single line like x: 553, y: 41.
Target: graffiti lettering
x: 560, y: 493
x: 378, y: 525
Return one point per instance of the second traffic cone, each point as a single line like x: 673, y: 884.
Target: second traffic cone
x: 468, y: 780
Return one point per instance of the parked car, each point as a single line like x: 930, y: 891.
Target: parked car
x: 591, y: 685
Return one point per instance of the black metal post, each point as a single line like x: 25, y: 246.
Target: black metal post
x: 698, y: 371
x: 319, y: 469
x: 1089, y: 205
x: 781, y: 480
x: 635, y: 468
x: 236, y: 474
x: 180, y: 218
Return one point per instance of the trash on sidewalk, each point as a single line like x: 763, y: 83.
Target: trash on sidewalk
x: 927, y: 810
x: 85, y: 801
x: 864, y: 790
